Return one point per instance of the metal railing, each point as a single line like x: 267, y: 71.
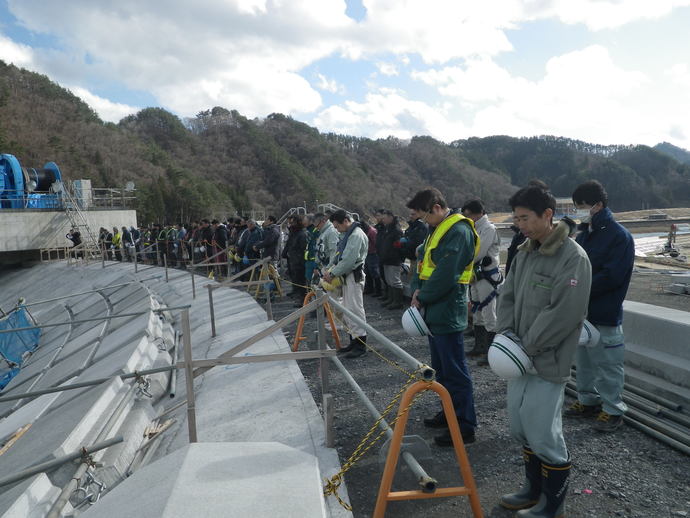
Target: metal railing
x: 99, y: 198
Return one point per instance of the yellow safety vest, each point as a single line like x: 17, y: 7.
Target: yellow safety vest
x: 426, y: 266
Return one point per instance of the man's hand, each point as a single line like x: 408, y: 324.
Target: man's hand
x: 327, y: 276
x: 415, y: 303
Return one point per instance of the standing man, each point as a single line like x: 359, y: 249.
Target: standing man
x: 439, y: 291
x: 388, y: 245
x: 542, y: 306
x: 270, y: 241
x: 326, y: 242
x: 487, y: 278
x: 349, y: 264
x: 611, y: 250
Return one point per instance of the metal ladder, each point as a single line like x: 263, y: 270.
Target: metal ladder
x: 78, y: 220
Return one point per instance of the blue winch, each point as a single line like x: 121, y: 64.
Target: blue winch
x: 27, y: 187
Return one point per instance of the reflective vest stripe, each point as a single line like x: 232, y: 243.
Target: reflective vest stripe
x: 426, y: 266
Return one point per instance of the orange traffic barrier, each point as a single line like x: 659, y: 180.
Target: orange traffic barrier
x: 300, y: 324
x: 469, y: 489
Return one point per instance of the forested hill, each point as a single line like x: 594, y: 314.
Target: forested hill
x: 219, y: 161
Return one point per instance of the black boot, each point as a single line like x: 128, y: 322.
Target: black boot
x: 377, y: 287
x: 528, y: 494
x: 438, y: 421
x: 358, y: 347
x: 396, y: 299
x: 479, y: 339
x: 483, y: 360
x: 554, y: 487
x: 383, y: 293
x: 347, y: 348
x: 445, y: 440
x: 389, y: 296
x: 368, y: 285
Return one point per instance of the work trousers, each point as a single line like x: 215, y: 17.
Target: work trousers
x: 448, y: 360
x: 600, y: 372
x: 392, y: 273
x: 534, y: 412
x: 486, y: 317
x: 353, y: 299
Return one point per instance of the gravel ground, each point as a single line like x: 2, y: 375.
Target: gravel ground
x: 624, y: 474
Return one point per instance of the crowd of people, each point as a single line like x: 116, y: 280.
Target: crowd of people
x: 557, y: 274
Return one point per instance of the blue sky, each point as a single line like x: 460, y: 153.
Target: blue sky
x: 605, y: 71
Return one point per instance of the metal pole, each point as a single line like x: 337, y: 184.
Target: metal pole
x: 78, y: 294
x: 211, y: 310
x: 189, y: 376
x: 165, y: 262
x: 136, y: 253
x: 426, y: 371
x: 38, y: 468
x: 103, y: 255
x: 326, y: 396
x: 269, y: 307
x: 173, y: 374
x: 191, y: 270
x: 97, y: 381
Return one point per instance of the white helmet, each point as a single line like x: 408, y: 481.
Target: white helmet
x: 589, y: 336
x: 413, y: 323
x: 508, y: 359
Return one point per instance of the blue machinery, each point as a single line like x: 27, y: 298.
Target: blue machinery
x: 29, y: 188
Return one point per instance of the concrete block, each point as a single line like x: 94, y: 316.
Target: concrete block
x: 662, y: 329
x: 658, y: 363
x: 220, y: 480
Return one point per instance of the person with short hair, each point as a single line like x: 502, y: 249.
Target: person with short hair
x: 388, y: 246
x: 542, y: 306
x: 349, y: 264
x: 611, y: 250
x: 439, y: 291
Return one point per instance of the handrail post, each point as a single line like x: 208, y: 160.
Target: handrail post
x: 211, y: 309
x: 326, y: 396
x: 269, y: 307
x: 191, y: 269
x: 165, y: 262
x: 189, y: 376
x: 103, y: 252
x: 136, y: 266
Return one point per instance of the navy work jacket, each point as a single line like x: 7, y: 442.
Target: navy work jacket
x: 611, y: 250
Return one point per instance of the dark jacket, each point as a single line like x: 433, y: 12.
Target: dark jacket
x: 220, y: 237
x: 294, y: 248
x: 269, y: 244
x: 253, y: 237
x: 611, y: 250
x: 415, y: 235
x: 388, y: 244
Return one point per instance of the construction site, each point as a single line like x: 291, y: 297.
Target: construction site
x: 138, y: 389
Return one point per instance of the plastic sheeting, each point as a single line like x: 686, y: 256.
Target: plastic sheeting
x: 15, y: 347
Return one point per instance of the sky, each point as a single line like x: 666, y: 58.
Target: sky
x: 603, y: 71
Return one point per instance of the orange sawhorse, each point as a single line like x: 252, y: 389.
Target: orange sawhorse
x: 300, y: 324
x: 469, y: 489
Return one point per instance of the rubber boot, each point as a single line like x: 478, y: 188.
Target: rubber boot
x: 483, y: 360
x: 554, y: 487
x: 528, y: 494
x: 396, y: 300
x: 368, y: 285
x: 347, y: 348
x: 358, y: 347
x: 389, y: 296
x: 377, y: 287
x: 383, y: 294
x: 479, y: 339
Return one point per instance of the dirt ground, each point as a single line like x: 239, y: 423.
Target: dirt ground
x: 625, y: 474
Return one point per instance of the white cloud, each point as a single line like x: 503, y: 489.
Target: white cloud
x: 329, y: 85
x: 18, y: 54
x: 604, y: 14
x: 107, y: 110
x: 388, y: 112
x: 679, y: 74
x: 387, y: 69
